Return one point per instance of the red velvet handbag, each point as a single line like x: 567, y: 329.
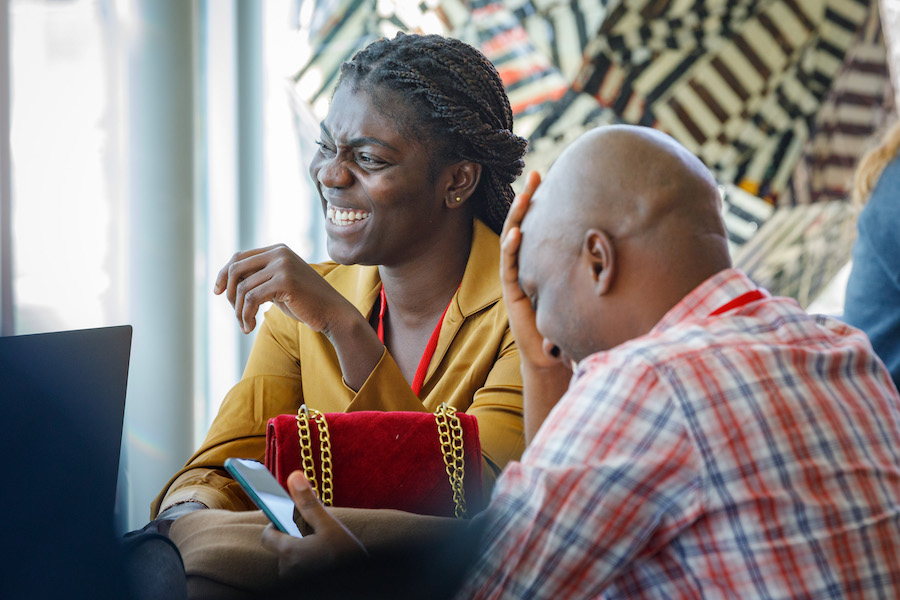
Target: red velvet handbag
x: 417, y: 462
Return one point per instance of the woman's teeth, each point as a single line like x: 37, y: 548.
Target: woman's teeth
x: 345, y: 217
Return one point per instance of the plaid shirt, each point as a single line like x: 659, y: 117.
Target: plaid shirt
x: 751, y: 454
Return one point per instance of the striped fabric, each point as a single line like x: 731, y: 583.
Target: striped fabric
x: 800, y: 249
x: 561, y: 29
x: 858, y: 105
x: 737, y: 83
x: 532, y: 81
x: 754, y: 454
x: 744, y: 214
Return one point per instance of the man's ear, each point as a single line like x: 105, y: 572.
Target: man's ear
x: 463, y: 179
x: 600, y: 253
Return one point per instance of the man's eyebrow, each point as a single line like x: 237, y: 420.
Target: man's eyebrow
x: 360, y: 141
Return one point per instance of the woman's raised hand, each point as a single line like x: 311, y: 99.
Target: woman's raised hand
x: 275, y: 274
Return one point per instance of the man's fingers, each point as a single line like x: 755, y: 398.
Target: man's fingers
x: 532, y: 181
x: 274, y: 540
x: 520, y: 203
x: 511, y: 237
x: 509, y: 257
x: 307, y: 503
x: 523, y: 200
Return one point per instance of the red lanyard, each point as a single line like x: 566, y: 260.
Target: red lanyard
x: 738, y: 302
x: 419, y: 379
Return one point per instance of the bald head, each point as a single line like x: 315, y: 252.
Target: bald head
x: 633, y: 209
x: 627, y: 181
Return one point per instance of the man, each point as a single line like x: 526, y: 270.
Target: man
x: 713, y: 441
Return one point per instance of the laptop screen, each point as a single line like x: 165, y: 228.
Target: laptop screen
x: 69, y: 383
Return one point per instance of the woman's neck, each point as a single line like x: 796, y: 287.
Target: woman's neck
x: 422, y: 287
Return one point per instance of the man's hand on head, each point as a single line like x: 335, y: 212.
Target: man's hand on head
x: 329, y: 546
x: 518, y: 305
x: 544, y: 376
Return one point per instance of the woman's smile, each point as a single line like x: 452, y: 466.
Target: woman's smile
x: 344, y: 217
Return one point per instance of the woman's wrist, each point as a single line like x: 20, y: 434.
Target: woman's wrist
x: 357, y: 347
x: 346, y: 327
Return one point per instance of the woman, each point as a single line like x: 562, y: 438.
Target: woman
x: 414, y: 168
x: 872, y: 302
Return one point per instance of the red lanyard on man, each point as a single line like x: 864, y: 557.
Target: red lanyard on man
x: 746, y: 298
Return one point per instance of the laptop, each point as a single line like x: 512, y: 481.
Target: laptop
x: 62, y: 405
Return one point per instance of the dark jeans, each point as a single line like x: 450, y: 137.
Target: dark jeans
x: 153, y: 565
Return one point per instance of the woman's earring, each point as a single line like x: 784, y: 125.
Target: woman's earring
x: 458, y: 199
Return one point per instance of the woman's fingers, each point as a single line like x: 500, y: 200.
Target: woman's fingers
x: 249, y: 280
x: 247, y: 264
x: 252, y: 293
x: 222, y: 278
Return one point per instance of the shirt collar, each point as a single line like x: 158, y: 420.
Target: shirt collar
x: 480, y: 285
x: 712, y: 294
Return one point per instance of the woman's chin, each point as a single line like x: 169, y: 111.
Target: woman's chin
x: 343, y: 254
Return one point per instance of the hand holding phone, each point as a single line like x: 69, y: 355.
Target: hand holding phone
x: 266, y: 493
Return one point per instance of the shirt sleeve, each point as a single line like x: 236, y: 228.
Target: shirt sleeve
x: 497, y: 406
x: 611, y: 476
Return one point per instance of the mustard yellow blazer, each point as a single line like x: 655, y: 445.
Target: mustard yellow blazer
x: 475, y: 369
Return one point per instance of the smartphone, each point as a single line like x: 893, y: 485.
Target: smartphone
x: 266, y: 492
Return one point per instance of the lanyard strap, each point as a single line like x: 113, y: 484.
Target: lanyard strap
x: 419, y: 378
x: 738, y: 302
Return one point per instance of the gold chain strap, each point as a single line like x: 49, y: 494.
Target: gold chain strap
x: 303, y: 416
x: 450, y: 434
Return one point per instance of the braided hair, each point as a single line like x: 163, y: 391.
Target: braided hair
x: 456, y: 93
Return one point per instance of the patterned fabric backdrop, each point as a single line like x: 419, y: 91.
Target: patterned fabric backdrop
x: 778, y: 97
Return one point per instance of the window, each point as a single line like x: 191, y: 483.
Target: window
x: 150, y: 140
x: 66, y: 246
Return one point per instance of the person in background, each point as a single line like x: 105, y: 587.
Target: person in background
x: 872, y: 301
x: 714, y: 440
